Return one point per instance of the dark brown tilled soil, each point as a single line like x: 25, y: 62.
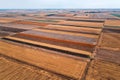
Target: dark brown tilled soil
x: 112, y: 30
x: 63, y: 37
x: 108, y: 55
x: 19, y: 26
x: 85, y: 30
x: 2, y: 34
x: 110, y: 40
x: 85, y: 20
x: 75, y: 46
x: 76, y: 25
x: 11, y: 29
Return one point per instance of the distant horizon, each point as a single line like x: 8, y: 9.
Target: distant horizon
x: 51, y: 8
x: 60, y: 4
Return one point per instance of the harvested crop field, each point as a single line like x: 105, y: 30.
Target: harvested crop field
x: 103, y: 70
x: 112, y: 23
x: 67, y: 37
x: 53, y: 42
x: 87, y: 20
x: 113, y: 42
x: 73, y: 43
x: 10, y: 70
x: 74, y: 29
x: 19, y: 26
x: 67, y: 50
x: 108, y: 55
x: 31, y: 23
x: 7, y: 20
x: 81, y: 23
x: 67, y: 66
x: 52, y: 30
x: 2, y: 34
x: 8, y: 29
x: 44, y: 20
x: 59, y: 45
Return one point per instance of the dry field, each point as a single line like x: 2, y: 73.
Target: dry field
x: 108, y: 55
x: 83, y: 17
x: 19, y: 26
x: 65, y: 46
x: 12, y: 70
x: 73, y: 29
x: 9, y: 29
x: 7, y: 20
x: 113, y: 23
x: 67, y: 32
x: 64, y: 37
x: 104, y: 16
x: 60, y: 46
x: 31, y: 23
x: 102, y: 70
x: 81, y: 23
x: 60, y: 40
x: 87, y: 20
x: 111, y: 40
x: 106, y: 63
x: 3, y: 34
x: 57, y: 63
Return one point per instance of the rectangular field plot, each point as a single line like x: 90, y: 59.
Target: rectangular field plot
x: 85, y: 51
x: 3, y: 34
x: 87, y: 20
x: 74, y: 29
x: 19, y: 26
x: 110, y: 40
x: 8, y: 29
x: 81, y: 23
x: 67, y: 33
x: 67, y: 66
x: 108, y: 55
x: 12, y: 69
x: 112, y: 23
x: 31, y: 23
x: 103, y: 70
x: 65, y: 37
x: 74, y: 44
x: 7, y: 20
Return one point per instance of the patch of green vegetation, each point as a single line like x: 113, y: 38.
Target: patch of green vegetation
x: 117, y: 15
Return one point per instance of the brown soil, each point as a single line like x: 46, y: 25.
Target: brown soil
x: 68, y: 33
x: 77, y: 39
x: 10, y: 70
x: 8, y: 29
x: 57, y: 63
x: 103, y: 70
x: 7, y: 20
x: 2, y: 34
x: 75, y: 46
x: 108, y: 55
x: 19, y: 26
x: 112, y: 23
x: 73, y: 29
x: 111, y: 40
x: 80, y: 23
x: 31, y: 23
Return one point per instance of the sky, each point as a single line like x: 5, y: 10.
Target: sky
x: 58, y: 4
